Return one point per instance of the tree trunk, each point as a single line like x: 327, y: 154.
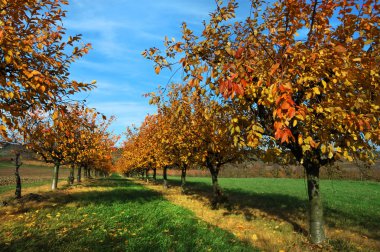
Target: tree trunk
x: 165, y: 177
x: 316, y: 230
x: 147, y: 175
x: 89, y: 173
x: 183, y: 179
x: 55, y: 177
x: 154, y: 174
x: 218, y: 196
x: 17, y: 175
x: 85, y: 171
x: 71, y: 176
x: 79, y: 174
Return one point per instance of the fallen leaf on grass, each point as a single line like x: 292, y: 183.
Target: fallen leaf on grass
x: 254, y: 237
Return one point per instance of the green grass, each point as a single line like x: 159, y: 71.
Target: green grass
x: 7, y: 188
x: 114, y: 215
x: 353, y: 205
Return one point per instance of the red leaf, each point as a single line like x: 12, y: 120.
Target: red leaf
x: 239, y: 52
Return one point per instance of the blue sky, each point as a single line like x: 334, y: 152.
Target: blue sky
x: 119, y: 31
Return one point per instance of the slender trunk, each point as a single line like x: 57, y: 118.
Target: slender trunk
x: 88, y: 172
x: 154, y: 174
x: 165, y: 177
x: 55, y: 176
x: 17, y: 175
x: 142, y: 174
x: 183, y: 179
x: 79, y: 174
x: 317, y: 234
x: 71, y: 176
x: 218, y: 196
x: 85, y: 171
x: 147, y: 175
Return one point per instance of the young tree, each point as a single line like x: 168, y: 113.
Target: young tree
x: 315, y: 95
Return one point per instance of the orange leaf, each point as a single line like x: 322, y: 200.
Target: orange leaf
x: 274, y: 68
x: 157, y: 69
x: 340, y: 49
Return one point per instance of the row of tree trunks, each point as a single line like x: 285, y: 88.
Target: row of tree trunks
x: 315, y: 203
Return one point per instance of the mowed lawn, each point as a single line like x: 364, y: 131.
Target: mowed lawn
x: 352, y: 206
x: 108, y: 215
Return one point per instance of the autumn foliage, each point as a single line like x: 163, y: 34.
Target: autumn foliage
x: 306, y: 73
x: 73, y: 136
x: 35, y: 59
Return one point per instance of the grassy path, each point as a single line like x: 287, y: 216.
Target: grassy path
x: 108, y: 215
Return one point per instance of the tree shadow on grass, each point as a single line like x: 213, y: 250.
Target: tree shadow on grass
x: 284, y: 207
x: 164, y: 231
x: 110, y: 192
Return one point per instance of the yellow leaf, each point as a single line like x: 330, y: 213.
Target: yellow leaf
x: 367, y: 135
x: 55, y: 115
x: 324, y: 84
x: 294, y: 123
x: 316, y: 90
x: 357, y: 59
x: 254, y: 237
x: 3, y: 128
x: 300, y: 140
x: 8, y: 59
x: 323, y: 148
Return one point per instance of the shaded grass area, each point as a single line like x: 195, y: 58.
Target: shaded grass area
x: 348, y: 205
x: 109, y: 215
x: 7, y: 188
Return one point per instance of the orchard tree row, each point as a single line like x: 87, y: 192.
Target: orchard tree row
x: 297, y: 79
x: 36, y: 107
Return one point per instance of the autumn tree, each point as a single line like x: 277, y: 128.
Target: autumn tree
x: 53, y: 137
x: 176, y: 135
x: 215, y: 125
x: 307, y: 71
x: 34, y: 59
